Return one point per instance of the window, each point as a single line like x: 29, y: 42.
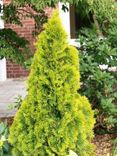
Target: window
x: 79, y: 19
x: 74, y: 19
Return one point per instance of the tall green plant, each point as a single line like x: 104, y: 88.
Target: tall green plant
x: 54, y: 118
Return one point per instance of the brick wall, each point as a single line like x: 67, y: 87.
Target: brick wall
x: 14, y: 70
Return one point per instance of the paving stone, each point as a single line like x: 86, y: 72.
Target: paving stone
x: 9, y: 91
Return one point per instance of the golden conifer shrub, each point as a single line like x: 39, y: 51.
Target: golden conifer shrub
x: 53, y: 119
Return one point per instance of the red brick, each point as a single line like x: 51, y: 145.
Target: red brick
x: 14, y: 70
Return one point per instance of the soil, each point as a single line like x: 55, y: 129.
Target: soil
x: 8, y: 119
x: 104, y: 145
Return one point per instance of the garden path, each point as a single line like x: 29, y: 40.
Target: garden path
x: 9, y: 91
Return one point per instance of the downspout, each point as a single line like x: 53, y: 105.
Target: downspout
x: 3, y: 72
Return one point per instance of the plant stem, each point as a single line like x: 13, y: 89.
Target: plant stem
x: 99, y: 32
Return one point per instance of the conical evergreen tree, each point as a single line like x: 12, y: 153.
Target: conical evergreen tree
x: 54, y: 118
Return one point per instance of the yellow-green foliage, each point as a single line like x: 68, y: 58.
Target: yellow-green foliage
x: 54, y: 118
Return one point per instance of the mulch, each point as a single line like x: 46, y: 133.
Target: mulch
x: 103, y: 144
x: 8, y: 119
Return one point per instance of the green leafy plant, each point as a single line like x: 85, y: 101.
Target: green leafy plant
x: 28, y: 63
x: 99, y: 84
x: 5, y: 148
x: 53, y: 119
x: 13, y: 47
x: 114, y: 147
x: 17, y: 103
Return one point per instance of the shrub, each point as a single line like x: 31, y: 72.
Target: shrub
x: 100, y: 85
x: 54, y: 118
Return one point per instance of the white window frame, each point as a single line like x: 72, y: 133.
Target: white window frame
x: 3, y: 72
x: 65, y: 17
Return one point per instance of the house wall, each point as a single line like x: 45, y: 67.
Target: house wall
x: 14, y: 70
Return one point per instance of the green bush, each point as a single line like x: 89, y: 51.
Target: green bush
x: 54, y: 118
x: 100, y: 85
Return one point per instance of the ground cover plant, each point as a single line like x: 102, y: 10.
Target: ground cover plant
x: 5, y: 148
x: 53, y: 119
